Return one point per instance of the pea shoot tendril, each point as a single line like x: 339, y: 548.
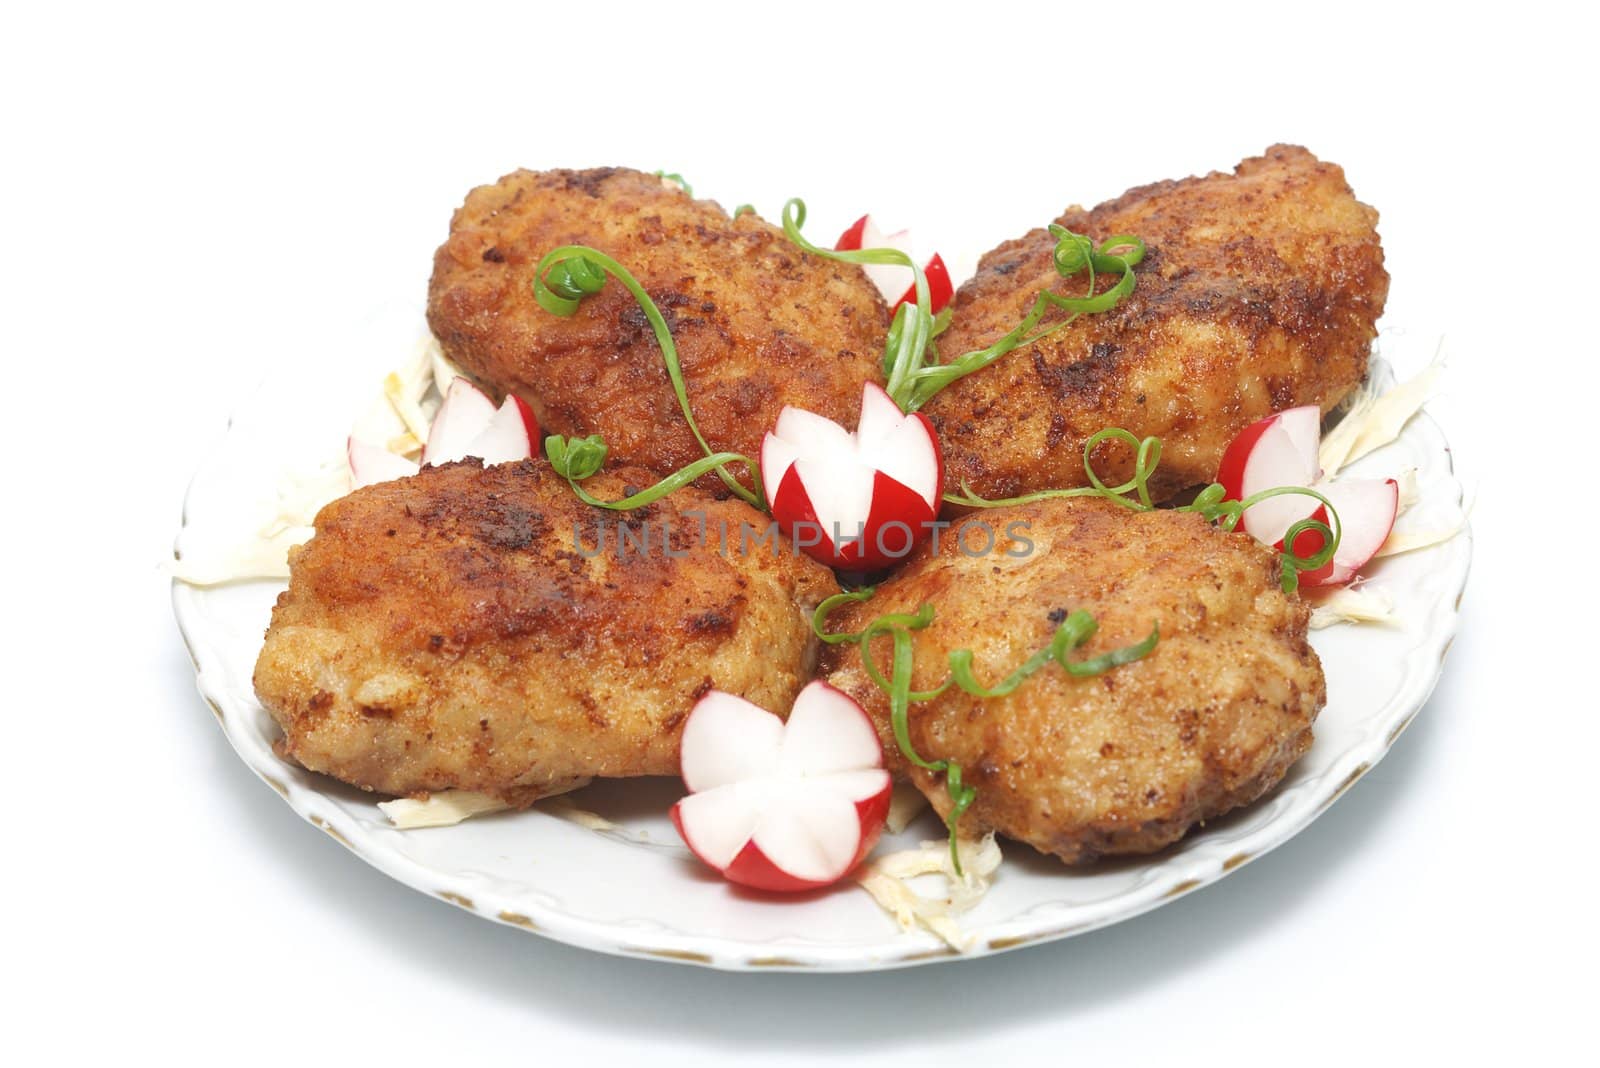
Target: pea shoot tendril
x: 677, y: 179
x: 576, y: 459
x: 911, y: 362
x: 819, y: 618
x: 1211, y: 502
x: 1073, y: 631
x: 561, y: 281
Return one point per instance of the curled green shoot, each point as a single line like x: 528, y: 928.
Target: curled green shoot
x: 567, y: 275
x: 1074, y: 253
x: 819, y: 618
x: 1072, y: 632
x: 911, y: 363
x: 677, y: 179
x: 1211, y: 502
x: 897, y: 686
x: 911, y: 330
x: 579, y: 458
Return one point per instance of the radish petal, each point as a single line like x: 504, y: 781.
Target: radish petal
x: 1277, y: 461
x: 911, y: 458
x: 505, y: 438
x: 463, y: 415
x: 827, y: 732
x: 811, y: 834
x: 371, y: 464
x: 777, y: 456
x: 880, y: 416
x: 719, y: 823
x: 1367, y: 510
x: 709, y: 761
x: 817, y: 433
x: 840, y: 490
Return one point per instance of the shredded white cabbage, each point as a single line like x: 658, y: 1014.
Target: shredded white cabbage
x: 1352, y: 604
x: 399, y: 416
x: 397, y: 419
x: 301, y: 496
x: 261, y: 558
x: 565, y: 808
x: 447, y: 808
x: 409, y: 412
x: 905, y: 803
x: 888, y: 880
x: 1410, y: 490
x: 443, y: 809
x: 1372, y: 420
x: 444, y: 372
x: 1405, y: 541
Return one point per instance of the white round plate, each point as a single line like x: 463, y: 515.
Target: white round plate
x: 635, y: 891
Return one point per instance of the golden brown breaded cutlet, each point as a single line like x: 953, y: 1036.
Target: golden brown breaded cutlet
x: 1259, y: 292
x: 759, y: 324
x: 1128, y: 761
x: 450, y: 631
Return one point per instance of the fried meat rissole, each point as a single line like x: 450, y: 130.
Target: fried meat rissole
x: 445, y: 631
x: 759, y: 324
x: 1258, y: 292
x: 1128, y: 761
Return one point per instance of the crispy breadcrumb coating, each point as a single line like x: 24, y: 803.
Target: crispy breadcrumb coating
x: 459, y: 630
x: 1128, y: 761
x: 1259, y: 292
x: 759, y: 324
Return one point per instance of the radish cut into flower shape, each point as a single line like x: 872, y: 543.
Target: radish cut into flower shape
x: 782, y: 806
x: 1281, y: 450
x: 854, y: 500
x: 894, y: 281
x: 467, y: 424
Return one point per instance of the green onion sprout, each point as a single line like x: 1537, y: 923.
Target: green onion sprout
x: 562, y: 279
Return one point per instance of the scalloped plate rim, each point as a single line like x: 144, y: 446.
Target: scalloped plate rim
x: 1167, y: 880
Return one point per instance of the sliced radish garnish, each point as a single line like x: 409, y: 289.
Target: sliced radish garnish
x: 371, y: 464
x: 895, y: 282
x: 512, y: 433
x: 467, y: 424
x: 1367, y: 508
x: 782, y: 806
x: 854, y: 500
x: 1281, y: 450
x: 465, y: 413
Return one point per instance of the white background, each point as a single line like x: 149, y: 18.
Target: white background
x: 191, y: 196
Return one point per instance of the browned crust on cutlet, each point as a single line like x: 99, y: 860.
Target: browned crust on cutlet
x: 758, y: 323
x: 1129, y: 761
x: 1259, y: 291
x: 459, y: 630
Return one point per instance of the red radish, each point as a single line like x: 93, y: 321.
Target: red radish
x: 1281, y: 450
x: 512, y: 433
x: 891, y: 280
x: 1367, y: 508
x: 857, y: 500
x: 467, y: 424
x: 782, y: 806
x: 371, y: 464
